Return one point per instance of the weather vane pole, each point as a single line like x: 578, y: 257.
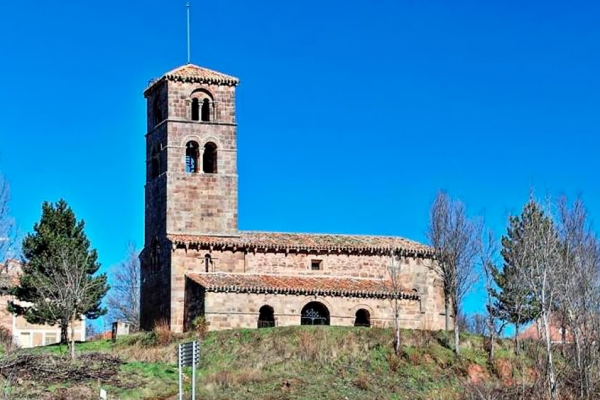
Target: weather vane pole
x: 187, y: 5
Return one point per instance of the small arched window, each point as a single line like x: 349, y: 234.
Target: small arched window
x: 266, y: 317
x: 195, y: 109
x: 192, y: 155
x: 157, y: 111
x: 209, y: 158
x: 205, y: 110
x: 363, y: 318
x: 207, y: 263
x: 154, y: 163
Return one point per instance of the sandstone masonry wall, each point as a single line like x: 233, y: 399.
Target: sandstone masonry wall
x: 416, y: 274
x: 235, y: 310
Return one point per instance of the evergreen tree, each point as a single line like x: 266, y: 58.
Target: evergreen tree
x: 514, y: 301
x: 57, y: 284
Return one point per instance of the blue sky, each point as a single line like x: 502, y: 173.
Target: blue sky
x: 351, y: 114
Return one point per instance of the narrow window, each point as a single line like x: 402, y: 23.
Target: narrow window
x: 207, y: 263
x: 157, y: 111
x: 315, y: 265
x: 209, y: 159
x: 155, y: 255
x: 195, y: 109
x: 192, y: 154
x: 154, y: 163
x: 205, y: 110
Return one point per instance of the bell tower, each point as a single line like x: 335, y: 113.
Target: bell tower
x: 191, y: 171
x: 191, y: 150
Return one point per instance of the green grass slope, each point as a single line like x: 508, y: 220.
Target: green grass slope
x: 283, y: 363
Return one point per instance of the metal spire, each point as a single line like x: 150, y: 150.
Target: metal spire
x: 187, y: 5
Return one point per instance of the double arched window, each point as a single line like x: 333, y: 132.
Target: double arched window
x: 202, y: 105
x: 192, y: 158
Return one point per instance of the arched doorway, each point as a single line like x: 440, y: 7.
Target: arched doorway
x: 266, y: 317
x: 314, y: 313
x: 363, y: 318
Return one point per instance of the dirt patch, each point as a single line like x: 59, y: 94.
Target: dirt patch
x: 504, y: 371
x: 49, y: 368
x: 477, y: 374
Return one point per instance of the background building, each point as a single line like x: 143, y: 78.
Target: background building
x: 25, y: 334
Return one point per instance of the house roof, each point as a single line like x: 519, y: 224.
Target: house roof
x: 304, y: 241
x: 196, y: 74
x: 302, y: 285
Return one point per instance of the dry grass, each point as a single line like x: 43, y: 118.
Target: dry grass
x: 139, y: 352
x: 162, y: 333
x: 230, y: 379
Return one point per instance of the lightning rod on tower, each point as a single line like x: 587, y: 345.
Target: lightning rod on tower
x: 187, y: 6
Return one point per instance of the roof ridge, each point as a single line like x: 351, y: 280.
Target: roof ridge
x: 332, y: 234
x: 319, y: 276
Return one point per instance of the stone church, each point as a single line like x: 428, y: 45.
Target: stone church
x: 196, y: 263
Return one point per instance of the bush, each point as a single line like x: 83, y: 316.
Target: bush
x: 6, y: 340
x: 200, y: 326
x: 161, y: 335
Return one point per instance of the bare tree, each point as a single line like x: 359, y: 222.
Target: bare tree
x: 540, y: 252
x: 67, y: 289
x: 579, y: 294
x: 493, y: 325
x: 123, y: 300
x: 456, y: 242
x: 7, y: 226
x: 394, y: 287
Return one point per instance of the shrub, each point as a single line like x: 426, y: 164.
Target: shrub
x: 200, y: 326
x: 6, y: 340
x: 362, y: 381
x: 161, y: 335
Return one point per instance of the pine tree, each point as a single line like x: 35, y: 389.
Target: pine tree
x: 57, y: 284
x: 514, y: 301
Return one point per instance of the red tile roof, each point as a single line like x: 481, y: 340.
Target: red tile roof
x: 304, y: 241
x: 302, y: 285
x: 196, y: 74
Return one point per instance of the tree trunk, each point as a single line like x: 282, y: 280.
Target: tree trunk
x: 492, y: 338
x: 551, y: 376
x: 516, y: 338
x: 447, y: 310
x: 64, y: 332
x: 73, y: 337
x: 580, y: 369
x: 456, y: 338
x: 397, y: 342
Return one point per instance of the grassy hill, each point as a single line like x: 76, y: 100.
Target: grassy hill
x: 276, y: 363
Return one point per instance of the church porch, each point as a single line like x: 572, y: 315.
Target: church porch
x: 229, y: 301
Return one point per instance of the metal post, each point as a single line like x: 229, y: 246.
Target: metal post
x: 188, y: 31
x: 180, y: 373
x: 194, y: 356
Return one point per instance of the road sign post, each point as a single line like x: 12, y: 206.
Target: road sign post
x: 188, y: 355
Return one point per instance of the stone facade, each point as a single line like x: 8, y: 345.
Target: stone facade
x: 191, y: 232
x: 23, y: 333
